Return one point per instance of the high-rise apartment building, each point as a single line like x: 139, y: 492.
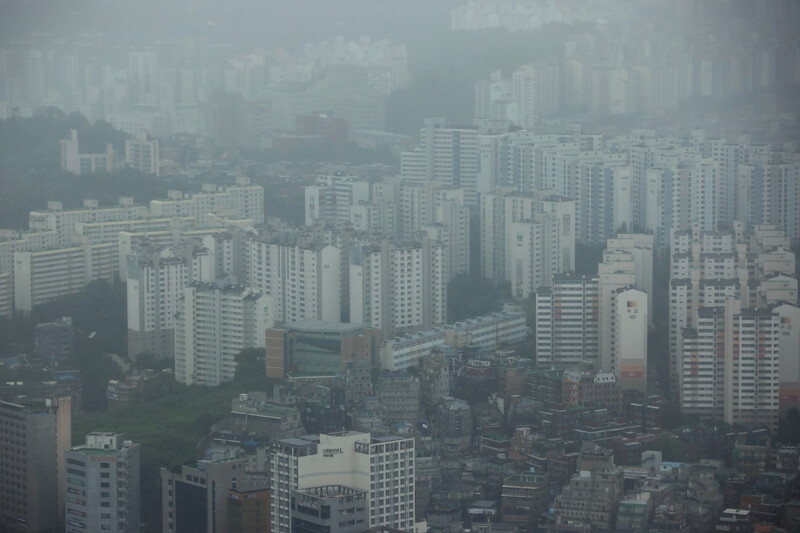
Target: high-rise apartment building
x: 214, y: 324
x: 447, y: 154
x: 702, y: 373
x: 752, y: 365
x: 540, y: 247
x: 142, y: 154
x: 568, y: 322
x: 32, y: 471
x: 332, y: 196
x: 382, y: 467
x: 399, y: 287
x: 708, y: 268
x: 789, y: 393
x: 156, y: 279
x: 630, y: 322
x: 303, y: 281
x: 103, y: 485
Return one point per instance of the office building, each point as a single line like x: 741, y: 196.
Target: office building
x: 329, y: 508
x: 382, y: 467
x: 400, y: 397
x: 103, y: 485
x: 321, y: 348
x: 142, y: 154
x: 195, y: 499
x: 32, y: 472
x: 248, y: 510
x: 212, y: 325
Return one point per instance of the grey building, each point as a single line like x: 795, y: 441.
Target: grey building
x: 331, y: 508
x: 54, y: 341
x: 194, y: 500
x: 103, y: 485
x: 35, y: 436
x: 400, y: 396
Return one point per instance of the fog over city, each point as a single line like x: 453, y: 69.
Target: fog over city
x: 399, y: 265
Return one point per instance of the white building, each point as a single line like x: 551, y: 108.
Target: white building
x: 302, y: 281
x: 752, y: 366
x: 399, y: 287
x: 381, y: 466
x: 447, y: 154
x: 72, y: 160
x: 789, y: 394
x: 538, y: 248
x: 42, y: 275
x: 332, y: 196
x: 142, y: 154
x: 702, y: 377
x: 64, y: 221
x: 103, y: 485
x: 630, y: 339
x: 568, y: 322
x: 242, y: 200
x: 213, y: 325
x: 6, y: 295
x: 156, y: 279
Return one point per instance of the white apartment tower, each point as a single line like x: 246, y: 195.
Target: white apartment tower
x: 142, y: 154
x: 568, y: 322
x: 332, y: 196
x: 752, y: 366
x: 538, y: 248
x: 155, y: 283
x: 446, y: 154
x: 702, y: 373
x: 213, y: 325
x: 383, y: 467
x: 102, y: 492
x: 302, y: 281
x: 630, y: 339
x: 399, y: 288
